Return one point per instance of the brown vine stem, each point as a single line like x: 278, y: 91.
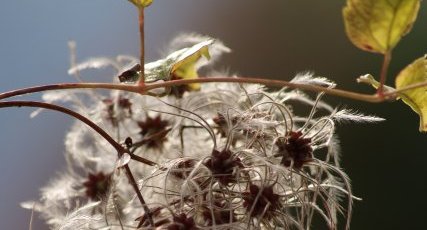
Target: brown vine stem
x: 403, y: 89
x: 143, y: 89
x: 383, y: 74
x: 269, y: 82
x: 61, y: 86
x: 120, y: 150
x: 142, y: 42
x: 139, y: 195
x: 61, y: 109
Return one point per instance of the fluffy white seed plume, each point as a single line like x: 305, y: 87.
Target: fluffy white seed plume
x: 94, y: 63
x: 308, y: 78
x: 83, y: 218
x: 346, y: 115
x: 229, y: 156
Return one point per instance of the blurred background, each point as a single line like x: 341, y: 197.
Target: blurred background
x: 275, y: 39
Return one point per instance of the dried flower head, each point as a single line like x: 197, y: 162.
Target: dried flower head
x: 261, y: 201
x: 223, y: 165
x: 97, y: 185
x: 228, y: 156
x: 295, y: 149
x: 153, y: 131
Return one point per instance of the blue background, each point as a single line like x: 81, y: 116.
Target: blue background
x: 385, y: 161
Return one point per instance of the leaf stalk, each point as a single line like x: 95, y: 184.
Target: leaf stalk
x: 383, y: 74
x: 141, y: 43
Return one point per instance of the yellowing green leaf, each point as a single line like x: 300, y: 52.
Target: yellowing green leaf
x: 141, y: 3
x: 416, y: 98
x: 185, y: 68
x: 378, y: 25
x: 181, y: 63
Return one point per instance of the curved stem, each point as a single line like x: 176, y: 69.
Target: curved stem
x: 143, y: 89
x: 61, y: 109
x: 118, y: 147
x: 35, y: 89
x: 120, y: 150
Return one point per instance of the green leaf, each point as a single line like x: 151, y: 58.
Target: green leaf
x: 378, y: 25
x: 416, y: 98
x: 181, y: 63
x: 141, y: 3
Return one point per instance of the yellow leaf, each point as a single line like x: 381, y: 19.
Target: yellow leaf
x: 416, y: 98
x: 378, y: 25
x: 185, y: 67
x: 182, y: 64
x: 141, y: 3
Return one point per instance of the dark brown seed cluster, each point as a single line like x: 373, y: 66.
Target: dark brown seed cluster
x: 154, y: 131
x: 97, y: 185
x: 222, y: 165
x: 295, y: 149
x: 260, y: 201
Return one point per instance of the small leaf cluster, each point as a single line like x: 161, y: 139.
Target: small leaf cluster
x: 377, y: 26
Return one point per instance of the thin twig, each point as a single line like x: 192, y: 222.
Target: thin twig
x: 396, y: 92
x: 383, y: 74
x: 61, y: 109
x: 119, y: 148
x: 35, y: 89
x: 141, y: 43
x: 143, y: 89
x: 268, y: 82
x: 139, y: 195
